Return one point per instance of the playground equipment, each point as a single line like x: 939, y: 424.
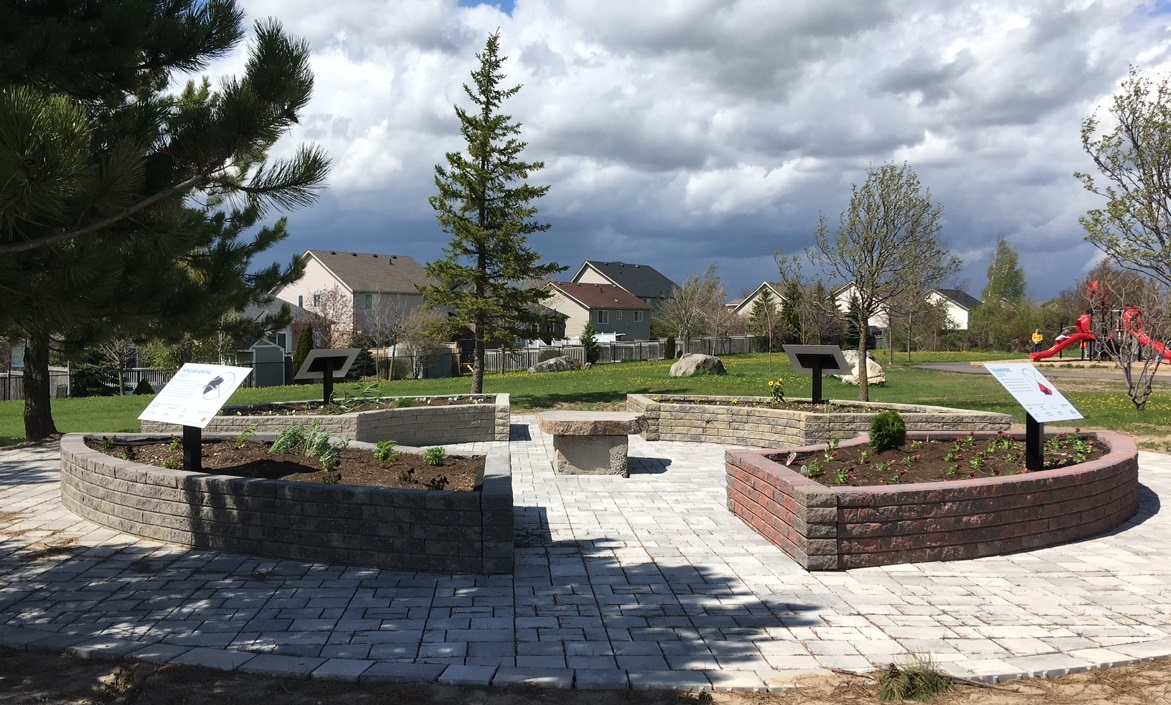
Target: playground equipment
x: 1130, y: 323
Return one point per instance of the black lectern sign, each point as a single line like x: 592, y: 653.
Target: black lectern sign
x: 817, y: 360
x: 327, y: 365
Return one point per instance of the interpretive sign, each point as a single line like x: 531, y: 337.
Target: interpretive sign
x: 815, y: 360
x: 326, y: 365
x: 1037, y: 395
x: 195, y: 394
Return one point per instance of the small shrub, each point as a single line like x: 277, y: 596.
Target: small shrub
x: 175, y: 444
x: 106, y: 444
x: 246, y: 434
x: 172, y: 463
x: 407, y: 475
x: 438, y: 483
x: 384, y: 452
x: 291, y: 439
x: 434, y: 456
x: 918, y: 679
x: 316, y: 441
x: 403, y: 402
x: 887, y: 430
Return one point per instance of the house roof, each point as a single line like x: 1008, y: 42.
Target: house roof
x: 961, y: 298
x: 362, y: 272
x: 775, y: 288
x: 596, y: 296
x: 641, y: 280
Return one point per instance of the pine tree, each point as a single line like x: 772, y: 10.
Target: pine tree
x: 764, y: 319
x: 589, y: 342
x: 486, y: 206
x: 100, y: 165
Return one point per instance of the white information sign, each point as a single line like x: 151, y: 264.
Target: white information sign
x: 195, y: 394
x: 1036, y: 394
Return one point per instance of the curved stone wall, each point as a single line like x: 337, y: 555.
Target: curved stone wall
x: 832, y: 528
x: 678, y: 418
x: 411, y: 426
x: 397, y: 529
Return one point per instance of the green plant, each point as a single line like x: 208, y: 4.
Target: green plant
x: 128, y: 453
x: 887, y: 430
x: 842, y: 477
x: 434, y: 456
x: 814, y: 469
x: 864, y: 455
x: 291, y: 439
x: 175, y: 444
x: 953, y: 470
x: 246, y: 434
x: 918, y: 679
x: 316, y: 441
x: 831, y: 450
x: 332, y: 455
x: 977, y: 461
x: 884, y: 467
x: 331, y: 478
x: 407, y: 475
x: 384, y: 452
x: 172, y: 463
x: 403, y: 402
x: 438, y: 483
x: 776, y: 390
x: 106, y: 444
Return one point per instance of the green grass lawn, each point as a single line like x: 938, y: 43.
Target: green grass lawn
x: 1104, y: 404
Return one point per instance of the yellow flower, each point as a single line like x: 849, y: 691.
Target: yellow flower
x: 770, y: 383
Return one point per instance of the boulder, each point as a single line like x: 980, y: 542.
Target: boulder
x: 694, y: 364
x: 874, y: 371
x: 560, y: 363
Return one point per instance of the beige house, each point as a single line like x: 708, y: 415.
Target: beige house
x: 960, y: 305
x: 743, y: 307
x: 611, y: 308
x: 363, y: 294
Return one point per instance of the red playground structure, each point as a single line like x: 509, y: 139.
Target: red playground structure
x: 1131, y: 324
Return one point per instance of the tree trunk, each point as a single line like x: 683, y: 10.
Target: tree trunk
x: 478, y: 364
x: 38, y: 415
x: 863, y: 379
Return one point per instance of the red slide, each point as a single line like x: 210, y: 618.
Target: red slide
x: 1132, y: 322
x: 1075, y: 338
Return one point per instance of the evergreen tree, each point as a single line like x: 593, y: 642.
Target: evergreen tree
x: 589, y: 342
x: 303, y: 347
x: 100, y: 166
x: 486, y: 206
x: 1006, y: 278
x: 792, y: 329
x: 764, y: 319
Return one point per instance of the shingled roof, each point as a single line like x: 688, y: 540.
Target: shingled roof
x: 641, y: 280
x: 962, y: 298
x: 598, y: 296
x: 382, y: 274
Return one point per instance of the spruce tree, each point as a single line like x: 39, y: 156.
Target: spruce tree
x: 486, y: 205
x: 101, y: 168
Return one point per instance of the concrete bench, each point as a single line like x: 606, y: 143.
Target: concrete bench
x: 591, y: 442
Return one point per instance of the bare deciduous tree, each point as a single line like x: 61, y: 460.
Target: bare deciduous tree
x: 687, y: 311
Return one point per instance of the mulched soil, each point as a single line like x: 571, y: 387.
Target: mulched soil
x: 940, y: 459
x: 346, y: 405
x: 357, y: 467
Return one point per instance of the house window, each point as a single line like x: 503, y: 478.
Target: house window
x: 603, y: 317
x: 618, y: 315
x: 316, y: 300
x: 366, y: 301
x: 282, y: 339
x: 300, y: 302
x: 638, y: 316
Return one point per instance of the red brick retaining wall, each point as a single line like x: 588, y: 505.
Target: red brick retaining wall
x: 834, y: 528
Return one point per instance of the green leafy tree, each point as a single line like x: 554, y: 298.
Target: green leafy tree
x: 885, y: 243
x: 589, y: 342
x: 486, y: 205
x: 1133, y: 154
x: 101, y: 168
x: 1006, y: 277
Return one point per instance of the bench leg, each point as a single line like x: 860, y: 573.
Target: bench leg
x: 590, y: 455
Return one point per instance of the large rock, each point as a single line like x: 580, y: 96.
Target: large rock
x: 560, y: 363
x: 874, y: 371
x: 695, y: 364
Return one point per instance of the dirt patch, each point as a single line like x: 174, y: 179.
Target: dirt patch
x: 355, y: 467
x: 940, y: 459
x: 349, y: 405
x: 45, y: 678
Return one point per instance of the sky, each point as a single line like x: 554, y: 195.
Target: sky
x: 686, y: 133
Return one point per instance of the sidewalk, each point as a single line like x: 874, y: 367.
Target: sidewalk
x: 640, y: 582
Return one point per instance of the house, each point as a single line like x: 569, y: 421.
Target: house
x: 642, y: 280
x: 611, y: 308
x: 363, y: 294
x: 286, y: 337
x: 960, y: 305
x: 842, y: 298
x: 744, y: 306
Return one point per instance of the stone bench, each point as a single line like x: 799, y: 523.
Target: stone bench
x: 591, y: 442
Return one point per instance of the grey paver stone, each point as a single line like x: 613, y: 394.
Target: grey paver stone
x: 544, y: 677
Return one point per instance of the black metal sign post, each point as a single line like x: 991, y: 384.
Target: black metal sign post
x: 193, y: 448
x: 1034, y: 444
x: 326, y: 365
x: 816, y: 360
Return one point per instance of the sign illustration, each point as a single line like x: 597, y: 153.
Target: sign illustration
x: 1037, y: 395
x: 195, y: 394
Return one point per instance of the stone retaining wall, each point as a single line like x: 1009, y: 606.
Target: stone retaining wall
x: 672, y: 418
x: 397, y: 529
x: 411, y: 426
x: 832, y: 528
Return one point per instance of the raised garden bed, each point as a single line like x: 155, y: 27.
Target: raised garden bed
x: 409, y: 425
x: 397, y: 529
x: 753, y: 421
x: 834, y: 528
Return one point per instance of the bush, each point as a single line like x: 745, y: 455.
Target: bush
x: 669, y: 348
x: 887, y: 430
x: 143, y: 387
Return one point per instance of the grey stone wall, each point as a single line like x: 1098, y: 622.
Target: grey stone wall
x: 671, y: 418
x: 412, y: 426
x: 409, y: 530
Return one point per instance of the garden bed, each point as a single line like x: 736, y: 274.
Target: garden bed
x: 756, y: 422
x: 833, y: 528
x: 414, y: 425
x: 398, y: 529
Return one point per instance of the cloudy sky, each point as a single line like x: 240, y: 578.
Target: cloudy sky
x: 681, y: 133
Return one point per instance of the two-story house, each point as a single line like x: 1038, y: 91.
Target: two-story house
x: 363, y: 294
x: 611, y: 308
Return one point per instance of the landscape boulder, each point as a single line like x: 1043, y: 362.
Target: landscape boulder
x: 561, y: 363
x: 695, y: 364
x: 874, y: 371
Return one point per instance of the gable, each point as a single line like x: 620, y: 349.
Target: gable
x: 641, y: 280
x: 600, y: 296
x: 379, y: 274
